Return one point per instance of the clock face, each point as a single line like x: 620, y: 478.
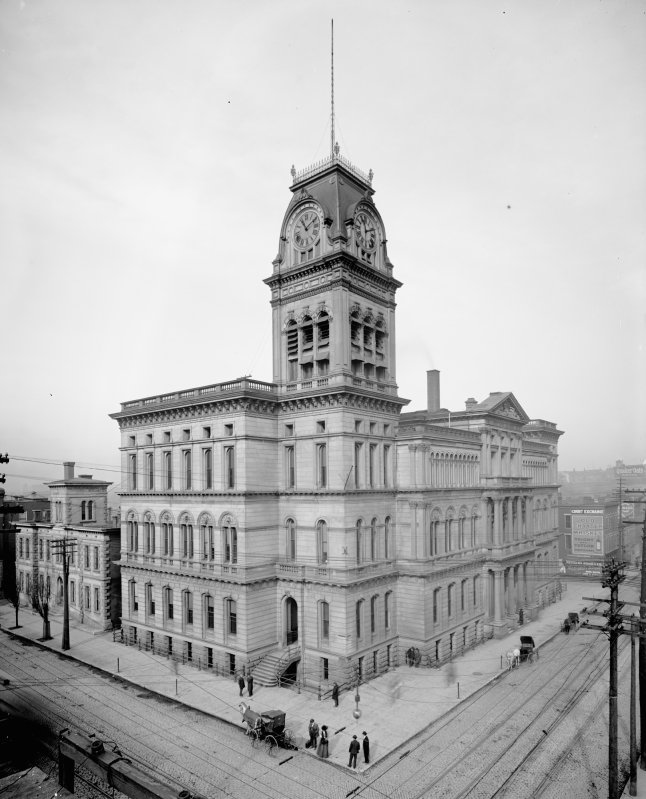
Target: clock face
x: 365, y: 231
x: 306, y: 229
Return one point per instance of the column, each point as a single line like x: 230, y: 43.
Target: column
x: 413, y: 471
x: 486, y: 578
x: 511, y: 599
x: 497, y: 522
x: 413, y: 529
x: 499, y: 589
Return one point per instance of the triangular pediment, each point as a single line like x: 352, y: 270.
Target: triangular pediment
x: 504, y: 403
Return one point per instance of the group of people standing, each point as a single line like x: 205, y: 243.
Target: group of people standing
x: 322, y: 747
x: 241, y: 684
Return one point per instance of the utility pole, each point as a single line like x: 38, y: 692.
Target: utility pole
x: 8, y: 585
x: 612, y: 578
x: 632, y: 790
x: 642, y: 630
x: 65, y: 547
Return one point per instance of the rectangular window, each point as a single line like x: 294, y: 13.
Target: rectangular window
x: 373, y: 428
x: 386, y: 429
x: 167, y: 437
x: 232, y: 663
x: 40, y: 549
x: 289, y: 429
x: 320, y: 427
x: 449, y: 601
x: 96, y: 559
x: 188, y: 606
x: 87, y: 556
x: 290, y: 477
x: 475, y: 591
x: 149, y: 438
x: 97, y: 605
x: 373, y: 615
x: 463, y: 591
x: 325, y: 668
x: 20, y: 547
x: 371, y: 464
x: 321, y: 452
x: 150, y: 470
x: 359, y: 608
x: 209, y: 657
x: 386, y: 465
x: 436, y: 602
x: 387, y: 611
x: 189, y: 651
x: 134, y: 604
x: 357, y: 465
x: 169, y: 603
x: 132, y: 441
x: 230, y: 467
x: 186, y: 435
x: 86, y: 599
x: 168, y: 468
x: 188, y: 471
x: 206, y: 432
x: 210, y: 613
x: 568, y: 521
x: 208, y: 468
x: 357, y: 425
x: 48, y: 550
x: 228, y: 429
x: 150, y: 600
x: 133, y: 472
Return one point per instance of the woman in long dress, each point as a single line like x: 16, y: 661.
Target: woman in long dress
x: 322, y: 749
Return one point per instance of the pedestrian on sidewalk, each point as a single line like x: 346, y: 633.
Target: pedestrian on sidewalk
x: 354, y: 751
x: 366, y: 747
x: 322, y: 750
x: 241, y: 683
x: 335, y: 694
x: 314, y: 733
x: 566, y: 626
x: 250, y: 685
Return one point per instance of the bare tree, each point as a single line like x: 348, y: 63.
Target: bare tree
x: 41, y: 595
x: 12, y: 592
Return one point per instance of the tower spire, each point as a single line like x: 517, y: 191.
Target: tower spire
x: 332, y: 123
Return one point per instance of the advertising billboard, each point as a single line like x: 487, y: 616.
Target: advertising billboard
x: 587, y: 531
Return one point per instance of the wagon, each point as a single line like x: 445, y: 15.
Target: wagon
x: 527, y: 649
x: 574, y: 620
x: 268, y: 727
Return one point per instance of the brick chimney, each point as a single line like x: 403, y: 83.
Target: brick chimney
x: 433, y: 390
x: 68, y: 470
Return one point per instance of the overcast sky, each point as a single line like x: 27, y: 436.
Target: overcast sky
x: 145, y: 158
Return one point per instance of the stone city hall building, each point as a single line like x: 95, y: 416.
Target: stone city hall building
x: 309, y: 525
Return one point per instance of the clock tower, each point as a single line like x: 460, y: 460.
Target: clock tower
x: 332, y: 287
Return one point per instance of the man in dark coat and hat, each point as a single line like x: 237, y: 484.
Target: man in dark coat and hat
x: 354, y: 751
x: 250, y: 685
x: 241, y: 683
x: 366, y: 747
x: 335, y: 694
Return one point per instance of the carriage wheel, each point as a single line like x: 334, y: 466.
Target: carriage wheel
x: 289, y: 739
x: 270, y: 745
x: 255, y: 739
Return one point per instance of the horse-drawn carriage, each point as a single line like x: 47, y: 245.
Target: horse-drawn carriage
x: 528, y: 650
x: 268, y: 727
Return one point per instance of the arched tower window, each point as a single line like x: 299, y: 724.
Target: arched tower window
x: 290, y: 531
x: 322, y: 542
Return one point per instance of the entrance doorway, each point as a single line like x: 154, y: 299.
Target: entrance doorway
x: 291, y: 620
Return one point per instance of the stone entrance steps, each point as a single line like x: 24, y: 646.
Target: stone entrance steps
x: 266, y: 672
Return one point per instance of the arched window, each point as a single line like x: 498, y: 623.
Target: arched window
x: 209, y: 612
x: 448, y: 535
x: 230, y: 467
x: 83, y: 511
x: 322, y: 542
x: 133, y: 535
x: 387, y: 537
x: 359, y: 542
x: 90, y: 509
x: 188, y: 607
x: 232, y: 617
x: 450, y: 598
x: 230, y: 544
x: 149, y: 534
x: 167, y: 535
x: 433, y: 536
x: 476, y: 590
x: 187, y: 539
x: 373, y: 615
x: 358, y: 618
x: 290, y: 532
x: 374, y: 544
x: 325, y: 620
x: 387, y: 604
x: 292, y: 351
x: 208, y: 541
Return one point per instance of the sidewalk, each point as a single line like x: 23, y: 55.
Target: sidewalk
x: 425, y: 695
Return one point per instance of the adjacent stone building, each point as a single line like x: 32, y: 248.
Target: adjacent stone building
x: 79, y: 508
x: 308, y: 522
